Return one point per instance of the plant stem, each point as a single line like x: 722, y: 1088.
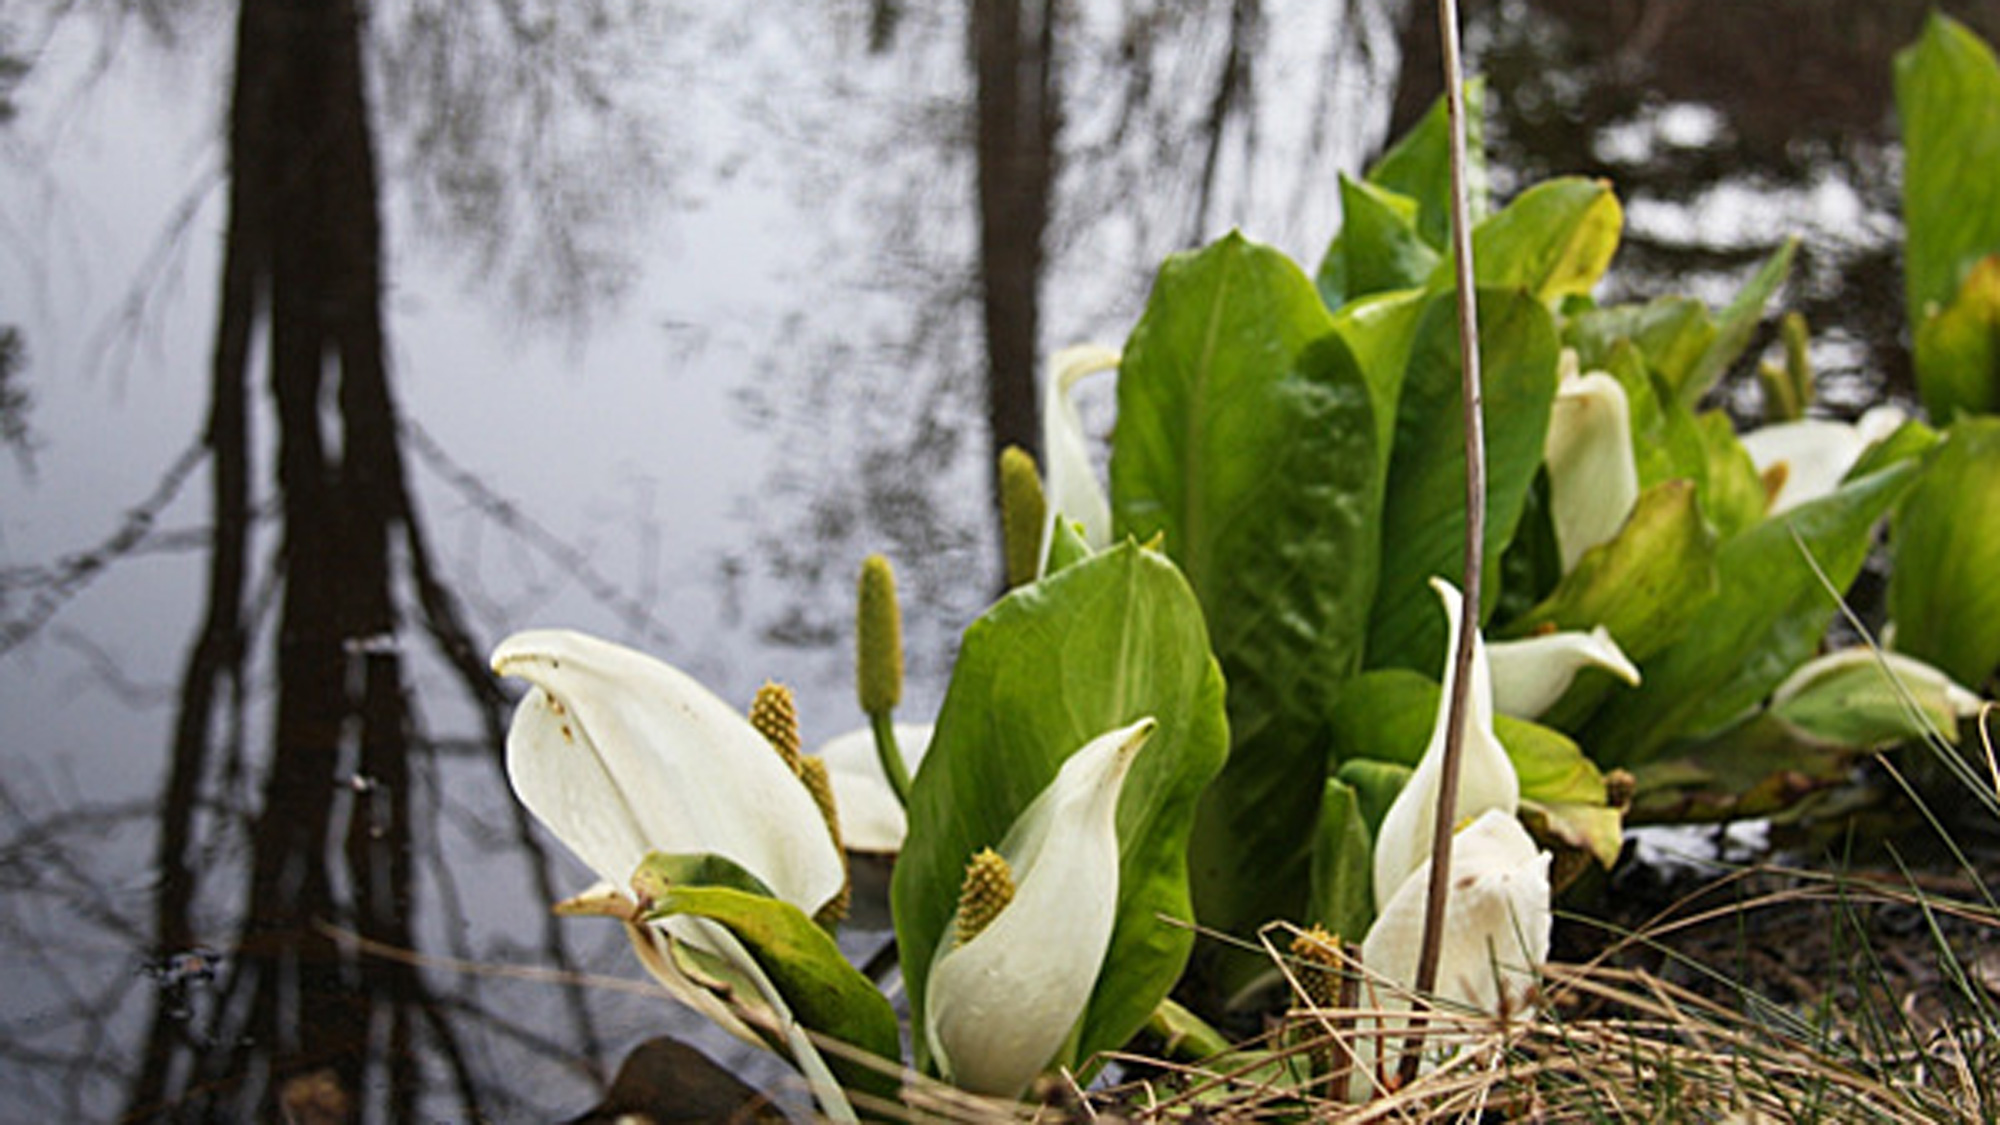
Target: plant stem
x: 891, y: 756
x: 1185, y: 1035
x: 1475, y: 527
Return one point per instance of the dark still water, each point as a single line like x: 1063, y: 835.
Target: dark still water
x: 339, y: 348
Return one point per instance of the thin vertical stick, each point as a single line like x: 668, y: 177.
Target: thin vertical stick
x: 1475, y: 525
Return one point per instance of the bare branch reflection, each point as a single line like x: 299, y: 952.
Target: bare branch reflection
x: 283, y: 1018
x: 1029, y: 165
x: 516, y: 125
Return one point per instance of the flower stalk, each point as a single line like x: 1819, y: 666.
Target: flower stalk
x: 1475, y: 518
x: 879, y: 666
x: 1024, y: 512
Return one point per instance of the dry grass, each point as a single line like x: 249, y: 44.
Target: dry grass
x: 1766, y: 994
x: 1661, y: 1027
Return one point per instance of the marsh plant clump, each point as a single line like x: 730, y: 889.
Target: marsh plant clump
x: 1179, y: 808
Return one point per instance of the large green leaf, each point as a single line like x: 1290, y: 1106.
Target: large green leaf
x: 1378, y: 249
x: 1107, y: 641
x: 1948, y: 99
x: 1644, y: 586
x: 1944, y: 593
x: 1343, y: 896
x: 1380, y: 331
x: 1732, y: 494
x: 1667, y: 442
x: 825, y: 993
x: 1958, y: 350
x: 1419, y: 165
x: 1671, y: 333
x: 1554, y: 240
x: 1423, y: 512
x: 1765, y: 620
x: 1737, y: 324
x: 1246, y: 436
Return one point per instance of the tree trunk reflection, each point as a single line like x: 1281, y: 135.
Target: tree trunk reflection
x: 299, y: 1017
x: 1013, y: 50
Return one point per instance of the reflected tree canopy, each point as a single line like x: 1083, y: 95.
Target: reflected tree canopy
x: 14, y: 398
x: 527, y: 153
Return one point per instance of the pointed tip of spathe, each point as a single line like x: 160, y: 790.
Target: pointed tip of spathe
x: 1109, y: 757
x: 1131, y: 740
x: 518, y: 648
x: 1452, y: 598
x: 1134, y: 737
x: 1096, y: 772
x: 541, y: 646
x: 1612, y: 658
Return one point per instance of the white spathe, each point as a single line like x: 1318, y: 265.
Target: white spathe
x: 1497, y: 921
x: 1530, y: 674
x: 1815, y: 453
x: 998, y: 1008
x: 1593, y: 478
x: 619, y: 754
x: 1486, y: 777
x: 871, y: 818
x: 1074, y: 493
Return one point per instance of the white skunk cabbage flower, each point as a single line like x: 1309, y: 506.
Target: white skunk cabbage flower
x: 871, y: 818
x: 1497, y: 920
x: 1806, y: 459
x: 1073, y: 489
x: 1001, y: 1001
x: 1593, y: 478
x: 620, y: 755
x: 1530, y: 674
x: 1486, y: 777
